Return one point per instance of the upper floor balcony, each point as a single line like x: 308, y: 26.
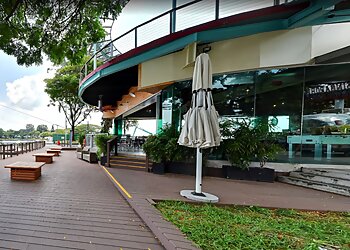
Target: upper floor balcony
x: 200, y: 21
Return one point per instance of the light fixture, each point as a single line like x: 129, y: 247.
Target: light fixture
x: 99, y: 103
x: 132, y: 94
x: 206, y: 49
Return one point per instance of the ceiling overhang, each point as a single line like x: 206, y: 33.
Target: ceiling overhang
x: 112, y: 87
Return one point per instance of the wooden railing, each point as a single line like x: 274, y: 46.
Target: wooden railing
x: 10, y: 149
x: 110, y: 144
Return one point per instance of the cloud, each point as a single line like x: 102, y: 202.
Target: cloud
x: 28, y: 92
x: 27, y: 104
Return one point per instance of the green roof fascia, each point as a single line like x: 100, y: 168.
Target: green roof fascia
x: 148, y: 55
x: 240, y: 31
x: 316, y: 9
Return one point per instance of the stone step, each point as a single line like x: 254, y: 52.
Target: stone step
x: 129, y: 158
x: 335, y: 173
x: 127, y: 162
x: 331, y: 188
x: 128, y: 166
x: 321, y: 178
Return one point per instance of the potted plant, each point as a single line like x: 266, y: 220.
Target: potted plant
x: 163, y: 149
x: 101, y: 143
x: 245, y: 141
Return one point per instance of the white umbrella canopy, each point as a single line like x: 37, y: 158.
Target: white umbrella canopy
x: 201, y: 127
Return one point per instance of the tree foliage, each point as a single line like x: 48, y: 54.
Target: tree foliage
x: 42, y: 128
x: 63, y: 92
x: 29, y: 128
x: 58, y: 28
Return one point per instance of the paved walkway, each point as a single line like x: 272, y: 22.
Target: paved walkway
x: 280, y: 195
x: 72, y: 206
x: 144, y: 186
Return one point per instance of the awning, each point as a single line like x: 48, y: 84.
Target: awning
x: 128, y: 107
x: 337, y: 56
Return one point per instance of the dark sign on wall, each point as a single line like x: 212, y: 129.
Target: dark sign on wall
x: 332, y: 90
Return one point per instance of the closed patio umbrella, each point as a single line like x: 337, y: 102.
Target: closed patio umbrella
x: 201, y: 127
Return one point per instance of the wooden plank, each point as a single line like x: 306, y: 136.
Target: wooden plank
x: 54, y: 151
x: 25, y: 174
x: 26, y: 165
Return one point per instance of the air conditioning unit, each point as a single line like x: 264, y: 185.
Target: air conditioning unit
x: 191, y: 53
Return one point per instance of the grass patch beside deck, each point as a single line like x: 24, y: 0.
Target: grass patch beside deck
x: 237, y: 227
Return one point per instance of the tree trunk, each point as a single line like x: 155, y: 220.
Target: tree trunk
x: 73, y: 131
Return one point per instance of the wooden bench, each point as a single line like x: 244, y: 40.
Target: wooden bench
x: 54, y: 151
x: 25, y: 170
x: 56, y: 148
x: 44, y: 157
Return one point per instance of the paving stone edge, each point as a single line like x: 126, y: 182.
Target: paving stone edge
x: 167, y: 243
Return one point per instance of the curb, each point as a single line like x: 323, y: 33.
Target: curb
x: 171, y: 237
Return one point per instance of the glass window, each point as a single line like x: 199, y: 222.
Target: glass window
x: 279, y: 103
x: 326, y: 121
x: 233, y: 94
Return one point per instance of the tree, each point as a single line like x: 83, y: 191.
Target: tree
x: 42, y: 128
x: 106, y: 124
x: 2, y: 132
x: 87, y: 128
x: 63, y: 89
x: 60, y: 29
x: 129, y: 123
x: 46, y: 134
x: 10, y: 133
x: 30, y: 128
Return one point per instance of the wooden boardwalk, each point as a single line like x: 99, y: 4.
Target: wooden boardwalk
x: 72, y: 205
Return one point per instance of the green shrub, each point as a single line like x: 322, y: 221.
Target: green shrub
x: 245, y: 141
x: 101, y: 143
x: 163, y: 147
x: 81, y: 139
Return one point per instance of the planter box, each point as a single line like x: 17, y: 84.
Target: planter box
x: 158, y: 168
x: 182, y: 168
x: 187, y: 169
x: 103, y: 160
x: 250, y: 174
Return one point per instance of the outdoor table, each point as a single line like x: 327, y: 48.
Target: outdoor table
x: 25, y: 170
x: 54, y: 151
x: 44, y: 157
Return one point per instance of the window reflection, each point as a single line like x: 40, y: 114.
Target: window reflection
x: 310, y: 107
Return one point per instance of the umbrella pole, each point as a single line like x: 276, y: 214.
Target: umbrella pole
x: 198, y: 190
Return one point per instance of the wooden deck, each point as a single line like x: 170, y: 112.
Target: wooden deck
x: 73, y: 206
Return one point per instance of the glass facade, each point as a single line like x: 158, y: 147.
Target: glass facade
x: 310, y: 107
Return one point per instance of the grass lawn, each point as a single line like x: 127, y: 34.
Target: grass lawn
x: 236, y: 227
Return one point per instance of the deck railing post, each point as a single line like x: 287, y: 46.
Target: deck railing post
x: 11, y: 148
x: 217, y: 9
x: 3, y: 151
x: 108, y: 153
x: 173, y: 17
x: 135, y: 37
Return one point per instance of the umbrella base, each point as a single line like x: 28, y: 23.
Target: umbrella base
x: 202, y: 197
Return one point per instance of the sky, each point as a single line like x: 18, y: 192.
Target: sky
x: 22, y: 97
